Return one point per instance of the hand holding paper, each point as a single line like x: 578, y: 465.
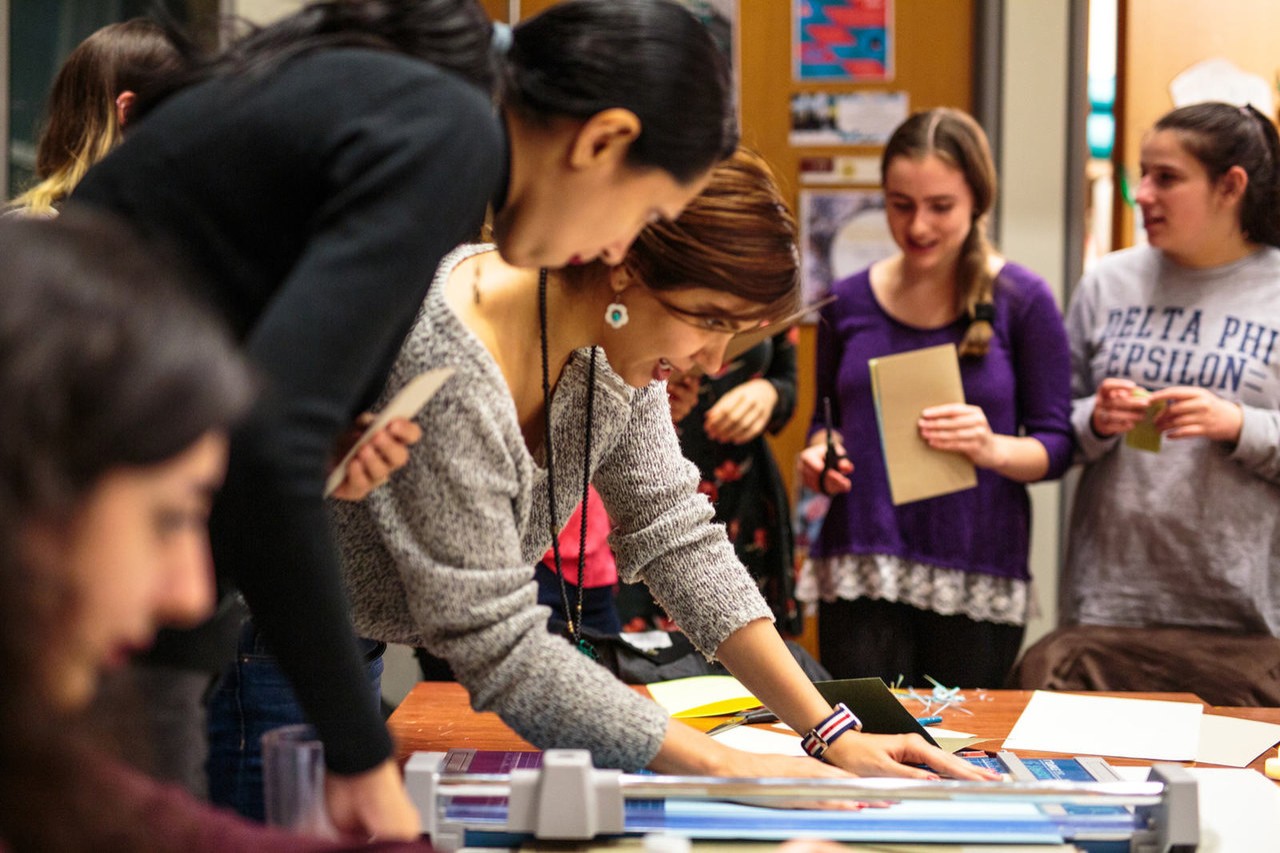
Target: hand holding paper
x: 1189, y: 412
x: 960, y: 428
x: 381, y: 455
x: 904, y: 385
x: 405, y: 405
x: 1118, y: 406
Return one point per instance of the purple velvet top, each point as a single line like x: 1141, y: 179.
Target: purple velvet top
x: 1023, y: 385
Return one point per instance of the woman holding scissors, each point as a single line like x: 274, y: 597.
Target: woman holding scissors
x: 937, y: 587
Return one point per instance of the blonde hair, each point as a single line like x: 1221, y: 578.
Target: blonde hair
x: 81, y: 126
x: 957, y: 140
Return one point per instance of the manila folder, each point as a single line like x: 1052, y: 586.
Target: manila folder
x: 904, y: 385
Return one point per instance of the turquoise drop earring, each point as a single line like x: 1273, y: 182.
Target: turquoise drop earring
x: 616, y: 314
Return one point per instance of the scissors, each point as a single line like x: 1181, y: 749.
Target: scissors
x: 830, y: 462
x: 755, y: 715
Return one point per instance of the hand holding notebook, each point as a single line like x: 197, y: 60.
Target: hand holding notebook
x: 903, y: 386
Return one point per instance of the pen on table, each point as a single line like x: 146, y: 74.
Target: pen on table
x: 928, y: 721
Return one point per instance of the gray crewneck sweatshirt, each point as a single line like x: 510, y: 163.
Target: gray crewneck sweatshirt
x: 1189, y: 536
x: 443, y: 555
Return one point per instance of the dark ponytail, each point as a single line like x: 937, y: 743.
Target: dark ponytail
x: 1220, y: 136
x: 652, y: 57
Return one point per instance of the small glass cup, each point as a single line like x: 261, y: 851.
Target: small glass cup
x: 293, y: 781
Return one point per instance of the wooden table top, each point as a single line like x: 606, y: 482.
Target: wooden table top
x: 437, y: 716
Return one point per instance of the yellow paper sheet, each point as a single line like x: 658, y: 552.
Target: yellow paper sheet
x: 703, y: 696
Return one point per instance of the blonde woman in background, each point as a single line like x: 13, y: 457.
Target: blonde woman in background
x: 90, y: 103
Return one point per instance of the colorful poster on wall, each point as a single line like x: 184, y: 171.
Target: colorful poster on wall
x: 843, y: 40
x: 841, y: 233
x: 852, y: 118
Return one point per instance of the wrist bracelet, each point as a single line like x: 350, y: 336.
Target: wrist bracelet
x: 821, y: 736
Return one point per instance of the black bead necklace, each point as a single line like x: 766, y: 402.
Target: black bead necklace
x: 574, y: 620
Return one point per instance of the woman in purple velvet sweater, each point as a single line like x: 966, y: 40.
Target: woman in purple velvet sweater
x: 937, y: 587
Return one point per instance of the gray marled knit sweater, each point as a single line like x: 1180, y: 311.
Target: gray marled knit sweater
x: 442, y: 556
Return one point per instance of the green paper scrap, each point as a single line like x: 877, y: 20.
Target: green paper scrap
x: 1145, y: 435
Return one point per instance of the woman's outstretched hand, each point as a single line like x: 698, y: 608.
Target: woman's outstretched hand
x: 899, y: 755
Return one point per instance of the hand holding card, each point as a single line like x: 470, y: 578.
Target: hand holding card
x: 406, y: 404
x: 1145, y: 435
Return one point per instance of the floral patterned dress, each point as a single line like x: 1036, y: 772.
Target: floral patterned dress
x: 744, y: 484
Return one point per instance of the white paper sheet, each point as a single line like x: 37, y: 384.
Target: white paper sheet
x: 1234, y: 742
x: 1239, y: 809
x: 760, y: 741
x: 1102, y: 725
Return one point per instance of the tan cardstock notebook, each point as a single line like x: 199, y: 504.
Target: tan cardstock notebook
x: 904, y: 385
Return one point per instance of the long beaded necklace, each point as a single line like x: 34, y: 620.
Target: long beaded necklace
x: 575, y: 624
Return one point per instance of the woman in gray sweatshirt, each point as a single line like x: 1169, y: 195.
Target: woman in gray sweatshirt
x: 1172, y: 577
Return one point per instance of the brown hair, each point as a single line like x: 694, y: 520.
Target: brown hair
x: 106, y: 365
x: 957, y: 140
x: 737, y: 236
x: 81, y: 127
x: 1220, y: 136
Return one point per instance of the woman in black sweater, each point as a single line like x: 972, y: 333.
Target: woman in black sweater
x: 315, y: 174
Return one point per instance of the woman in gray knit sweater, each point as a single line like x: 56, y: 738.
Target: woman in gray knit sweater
x: 440, y: 557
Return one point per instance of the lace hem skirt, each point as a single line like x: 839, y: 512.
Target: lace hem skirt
x: 948, y: 592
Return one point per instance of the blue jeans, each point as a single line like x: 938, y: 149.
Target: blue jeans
x: 598, y: 610
x: 254, y: 697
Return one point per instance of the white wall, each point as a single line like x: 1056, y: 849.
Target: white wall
x: 1032, y: 156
